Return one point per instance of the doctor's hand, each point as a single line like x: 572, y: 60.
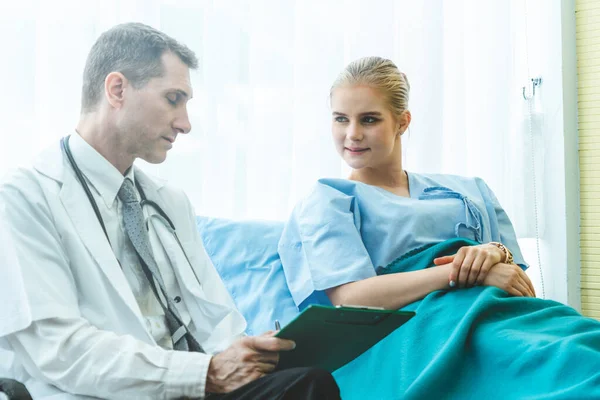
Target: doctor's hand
x: 246, y: 360
x: 510, y: 278
x: 471, y: 264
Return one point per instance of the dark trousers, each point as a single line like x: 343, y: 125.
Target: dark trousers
x: 289, y: 384
x: 14, y: 390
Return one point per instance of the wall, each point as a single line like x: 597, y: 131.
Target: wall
x: 588, y: 72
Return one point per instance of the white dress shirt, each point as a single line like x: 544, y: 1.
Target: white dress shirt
x: 72, y: 346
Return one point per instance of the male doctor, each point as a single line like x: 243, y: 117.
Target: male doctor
x: 123, y: 301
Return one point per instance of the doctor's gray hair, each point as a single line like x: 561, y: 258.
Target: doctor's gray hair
x: 381, y: 74
x: 133, y: 49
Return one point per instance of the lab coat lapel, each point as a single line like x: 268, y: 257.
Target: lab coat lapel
x: 87, y: 226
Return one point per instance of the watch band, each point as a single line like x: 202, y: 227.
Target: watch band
x: 508, y: 257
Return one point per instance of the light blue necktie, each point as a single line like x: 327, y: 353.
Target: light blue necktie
x: 138, y: 234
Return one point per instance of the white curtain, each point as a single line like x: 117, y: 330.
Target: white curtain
x: 261, y: 118
x: 260, y: 114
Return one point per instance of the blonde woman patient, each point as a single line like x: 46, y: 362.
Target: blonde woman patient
x: 477, y: 320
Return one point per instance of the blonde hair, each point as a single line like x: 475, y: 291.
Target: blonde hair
x: 381, y: 74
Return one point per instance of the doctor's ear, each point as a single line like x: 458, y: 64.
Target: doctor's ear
x: 114, y: 88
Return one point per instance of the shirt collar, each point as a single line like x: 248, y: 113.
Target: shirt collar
x: 100, y: 173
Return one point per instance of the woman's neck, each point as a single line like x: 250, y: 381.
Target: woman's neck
x: 394, y: 180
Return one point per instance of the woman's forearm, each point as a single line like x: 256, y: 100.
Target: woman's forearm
x: 392, y: 291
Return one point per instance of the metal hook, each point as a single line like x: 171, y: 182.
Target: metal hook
x: 533, y: 82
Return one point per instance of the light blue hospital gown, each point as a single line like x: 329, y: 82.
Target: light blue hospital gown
x: 464, y: 343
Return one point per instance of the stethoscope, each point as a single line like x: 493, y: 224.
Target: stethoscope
x: 64, y: 144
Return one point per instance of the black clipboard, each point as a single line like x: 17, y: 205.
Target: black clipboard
x: 330, y: 337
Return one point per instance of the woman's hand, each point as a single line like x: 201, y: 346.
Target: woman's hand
x: 471, y: 264
x: 510, y: 278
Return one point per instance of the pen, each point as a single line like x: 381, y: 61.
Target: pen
x: 277, y: 326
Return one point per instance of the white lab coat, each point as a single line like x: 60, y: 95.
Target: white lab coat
x: 15, y: 314
x: 69, y: 269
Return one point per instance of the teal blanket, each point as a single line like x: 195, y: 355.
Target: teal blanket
x: 478, y: 343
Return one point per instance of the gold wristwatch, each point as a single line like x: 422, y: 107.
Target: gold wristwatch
x: 508, y: 257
